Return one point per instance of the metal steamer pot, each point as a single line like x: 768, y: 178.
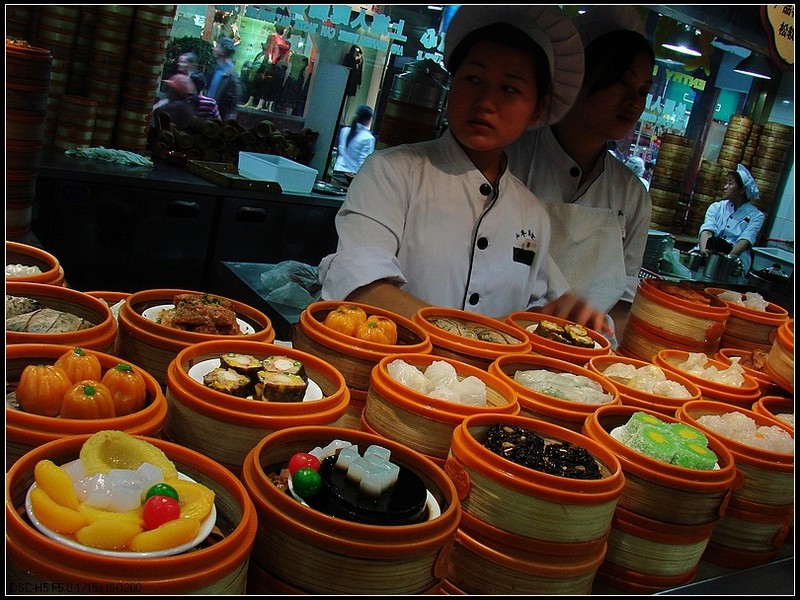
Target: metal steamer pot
x: 771, y: 280
x: 721, y: 266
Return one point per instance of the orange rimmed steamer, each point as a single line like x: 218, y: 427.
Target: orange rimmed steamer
x: 631, y: 396
x: 727, y: 355
x: 477, y: 352
x: 743, y: 395
x: 667, y: 315
x: 748, y: 328
x: 554, y: 349
x: 225, y: 427
x: 302, y: 550
x: 101, y: 335
x: 536, y: 405
x: 780, y: 360
x: 217, y: 566
x: 775, y: 406
x: 425, y: 424
x: 30, y: 256
x: 353, y: 357
x: 155, y: 346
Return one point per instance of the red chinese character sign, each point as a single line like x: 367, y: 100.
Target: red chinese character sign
x: 778, y: 20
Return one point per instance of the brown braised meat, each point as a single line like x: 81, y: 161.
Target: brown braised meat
x: 202, y: 313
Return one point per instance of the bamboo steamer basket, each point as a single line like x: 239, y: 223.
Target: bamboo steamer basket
x: 661, y: 491
x: 425, y: 424
x: 25, y: 431
x: 532, y: 507
x: 767, y: 476
x: 643, y: 341
x: 536, y: 405
x: 295, y: 542
x: 631, y: 396
x: 155, y: 346
x: 780, y: 360
x: 540, y: 345
x: 217, y: 566
x: 101, y: 336
x: 722, y: 560
x: 225, y: 427
x: 743, y: 396
x: 654, y: 548
x: 355, y: 358
x: 749, y: 328
x: 475, y: 352
x: 30, y: 256
x: 612, y: 580
x: 774, y: 406
x: 480, y: 565
x: 765, y: 383
x: 679, y: 318
x: 752, y: 531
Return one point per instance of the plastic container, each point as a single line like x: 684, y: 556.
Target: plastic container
x: 423, y: 423
x: 631, y: 396
x: 536, y: 405
x: 31, y: 256
x: 780, y: 360
x: 475, y: 352
x: 225, y: 427
x: 662, y: 491
x: 292, y: 176
x: 555, y: 349
x: 531, y: 506
x: 217, y: 566
x: 334, y: 555
x: 155, y: 346
x: 100, y: 336
x: 355, y: 358
x: 748, y: 328
x: 743, y: 395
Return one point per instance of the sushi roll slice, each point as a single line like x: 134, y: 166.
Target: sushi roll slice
x: 228, y: 381
x: 241, y: 363
x: 284, y: 364
x: 280, y: 387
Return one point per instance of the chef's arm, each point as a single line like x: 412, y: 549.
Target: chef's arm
x: 705, y: 235
x: 741, y: 247
x: 389, y: 297
x: 619, y: 314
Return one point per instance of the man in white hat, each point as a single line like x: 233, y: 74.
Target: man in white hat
x: 443, y: 222
x: 732, y: 225
x: 599, y: 209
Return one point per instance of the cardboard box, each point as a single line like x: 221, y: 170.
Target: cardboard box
x: 291, y: 175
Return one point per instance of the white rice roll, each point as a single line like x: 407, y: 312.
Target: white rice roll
x: 471, y: 390
x: 445, y: 393
x: 671, y: 389
x: 441, y: 373
x: 409, y: 375
x: 621, y: 372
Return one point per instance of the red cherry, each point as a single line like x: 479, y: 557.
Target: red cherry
x: 303, y: 460
x: 157, y: 510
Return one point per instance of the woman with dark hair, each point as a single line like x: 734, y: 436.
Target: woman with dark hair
x: 353, y: 60
x: 356, y: 142
x: 599, y: 210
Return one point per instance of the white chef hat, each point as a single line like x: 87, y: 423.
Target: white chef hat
x: 546, y: 25
x: 749, y: 183
x: 603, y: 19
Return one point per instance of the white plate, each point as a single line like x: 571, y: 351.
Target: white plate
x: 201, y: 369
x: 154, y: 313
x: 534, y: 326
x: 205, y: 529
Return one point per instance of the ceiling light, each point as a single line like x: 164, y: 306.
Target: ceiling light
x: 754, y: 66
x: 684, y: 41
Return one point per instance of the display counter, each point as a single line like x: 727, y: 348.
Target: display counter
x: 129, y: 228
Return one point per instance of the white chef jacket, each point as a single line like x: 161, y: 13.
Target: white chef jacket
x: 425, y: 218
x: 350, y: 158
x: 599, y: 230
x: 725, y: 221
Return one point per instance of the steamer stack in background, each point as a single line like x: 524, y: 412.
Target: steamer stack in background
x: 670, y: 204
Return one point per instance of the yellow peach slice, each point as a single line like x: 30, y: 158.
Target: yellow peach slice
x: 169, y: 535
x: 114, y: 532
x: 195, y: 498
x: 56, y: 483
x: 95, y: 514
x: 54, y: 516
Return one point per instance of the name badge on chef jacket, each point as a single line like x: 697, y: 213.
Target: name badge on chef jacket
x: 525, y: 247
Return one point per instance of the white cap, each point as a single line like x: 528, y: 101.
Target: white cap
x: 549, y: 27
x: 603, y: 19
x: 750, y: 187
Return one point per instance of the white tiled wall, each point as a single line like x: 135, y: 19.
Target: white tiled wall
x: 783, y: 112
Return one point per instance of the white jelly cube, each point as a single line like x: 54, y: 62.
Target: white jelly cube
x: 334, y: 446
x: 356, y: 470
x: 376, y: 450
x: 346, y: 457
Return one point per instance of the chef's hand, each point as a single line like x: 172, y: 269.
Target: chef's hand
x: 571, y: 308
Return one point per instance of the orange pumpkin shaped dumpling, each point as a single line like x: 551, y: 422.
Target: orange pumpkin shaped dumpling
x: 88, y: 399
x: 80, y: 365
x: 41, y: 389
x: 128, y: 389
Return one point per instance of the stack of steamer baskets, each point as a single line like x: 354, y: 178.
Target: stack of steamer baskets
x: 760, y: 513
x: 529, y: 524
x: 354, y: 358
x: 707, y: 189
x: 666, y: 315
x: 670, y: 205
x: 666, y: 513
x: 774, y: 147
